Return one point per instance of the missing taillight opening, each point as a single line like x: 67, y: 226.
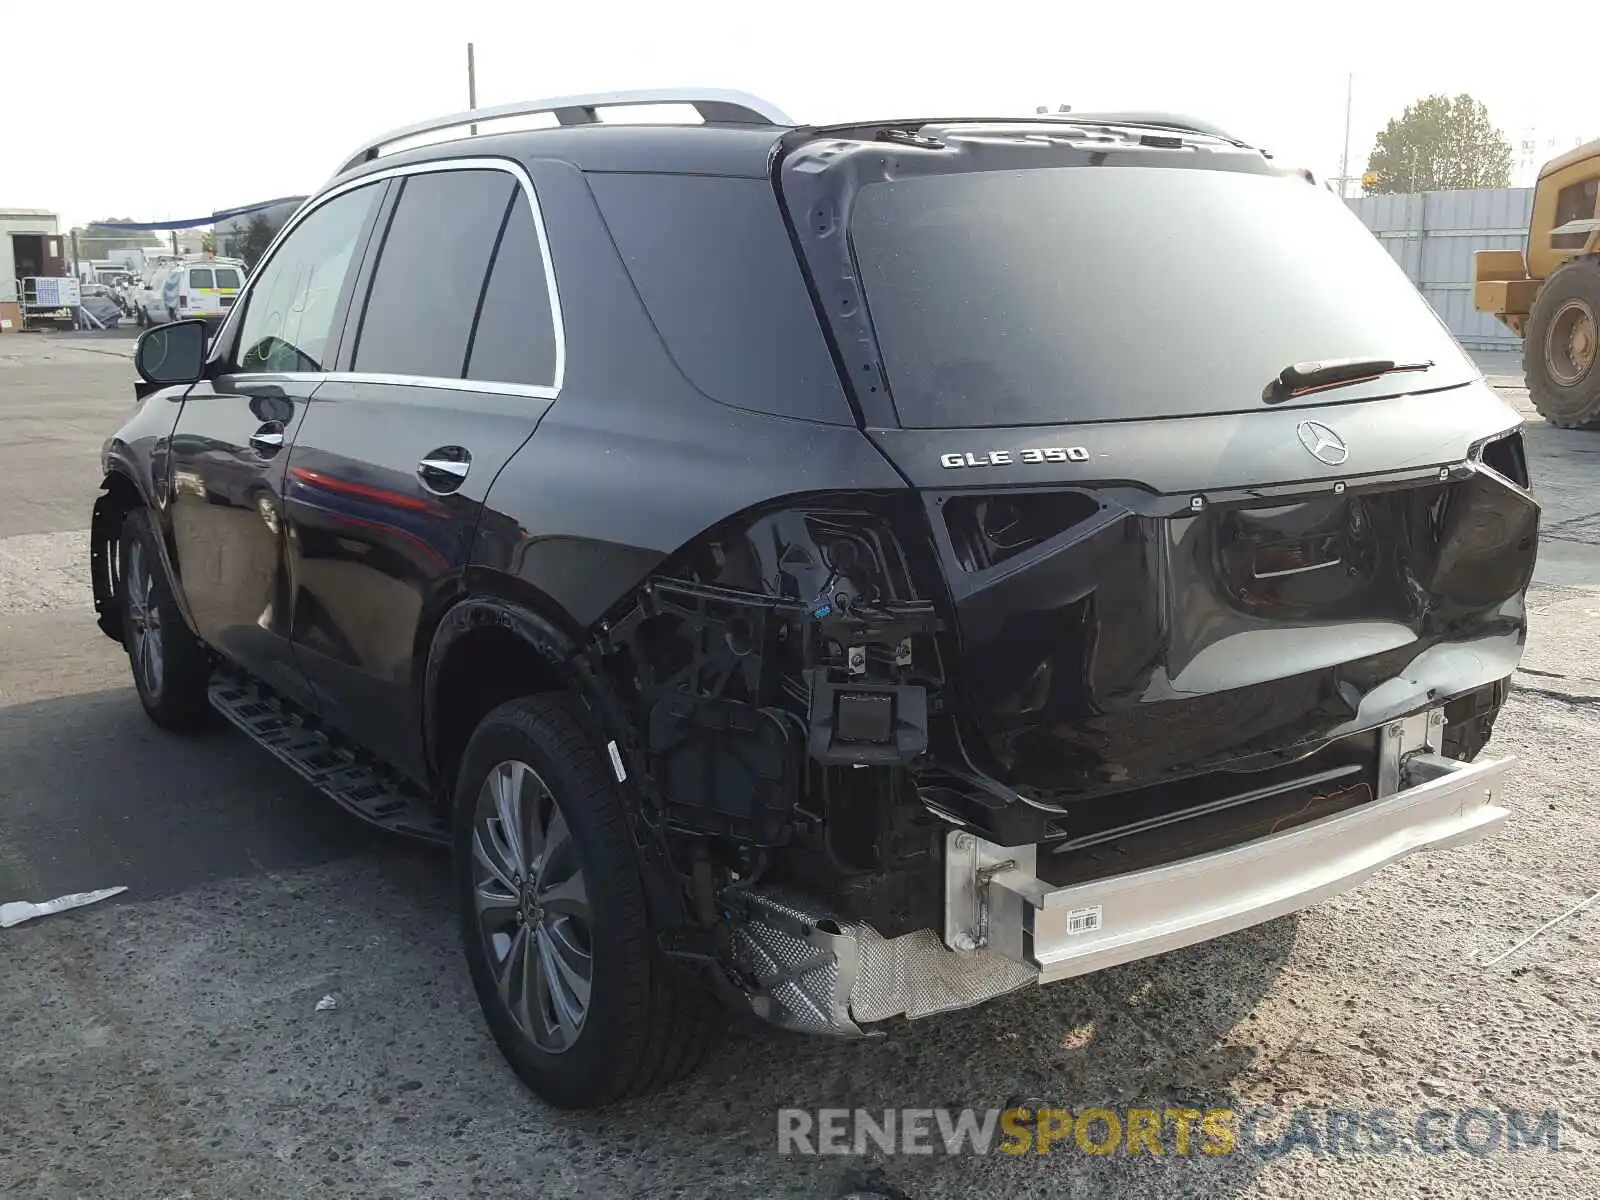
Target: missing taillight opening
x: 1508, y: 457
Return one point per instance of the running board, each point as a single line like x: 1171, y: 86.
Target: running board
x: 358, y: 785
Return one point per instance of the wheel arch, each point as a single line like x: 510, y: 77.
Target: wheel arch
x: 119, y: 495
x: 497, y: 640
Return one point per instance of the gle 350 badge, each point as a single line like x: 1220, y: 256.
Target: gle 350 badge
x: 1005, y: 458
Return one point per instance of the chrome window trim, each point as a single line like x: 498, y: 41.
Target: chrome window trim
x: 549, y: 391
x: 537, y: 390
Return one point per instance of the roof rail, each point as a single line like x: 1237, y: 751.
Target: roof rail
x: 1154, y: 120
x: 713, y: 105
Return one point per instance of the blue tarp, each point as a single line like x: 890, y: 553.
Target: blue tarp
x: 226, y: 214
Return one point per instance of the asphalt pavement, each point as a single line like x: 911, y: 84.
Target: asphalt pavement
x: 168, y: 1043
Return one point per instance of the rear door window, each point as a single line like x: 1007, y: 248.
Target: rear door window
x: 430, y: 274
x: 202, y: 279
x: 227, y: 277
x: 1075, y: 294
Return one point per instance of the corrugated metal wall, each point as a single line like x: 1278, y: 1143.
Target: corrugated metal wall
x: 1434, y: 235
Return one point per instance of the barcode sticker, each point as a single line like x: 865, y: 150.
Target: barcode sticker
x: 1083, y: 920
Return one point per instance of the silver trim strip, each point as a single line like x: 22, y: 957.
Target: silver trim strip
x: 1287, y: 571
x: 538, y: 391
x: 713, y: 104
x: 510, y: 167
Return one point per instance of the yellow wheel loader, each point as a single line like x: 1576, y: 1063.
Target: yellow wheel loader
x: 1549, y: 296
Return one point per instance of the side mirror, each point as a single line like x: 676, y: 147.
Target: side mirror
x: 170, y: 354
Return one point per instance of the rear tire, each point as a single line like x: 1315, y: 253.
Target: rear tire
x: 557, y: 935
x: 171, y: 667
x: 1561, y: 347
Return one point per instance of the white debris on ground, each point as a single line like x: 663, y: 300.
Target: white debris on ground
x: 15, y: 912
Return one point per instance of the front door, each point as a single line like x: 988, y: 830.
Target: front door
x: 448, y: 370
x: 228, y: 456
x: 235, y: 435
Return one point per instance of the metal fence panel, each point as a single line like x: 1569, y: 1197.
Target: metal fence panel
x: 1433, y: 236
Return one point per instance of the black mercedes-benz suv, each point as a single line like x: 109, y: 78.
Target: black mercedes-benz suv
x: 843, y: 573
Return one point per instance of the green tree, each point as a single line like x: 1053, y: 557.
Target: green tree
x: 208, y: 242
x: 97, y: 241
x: 252, y: 243
x: 1437, y: 143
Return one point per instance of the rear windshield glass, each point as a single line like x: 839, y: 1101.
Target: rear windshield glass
x: 1104, y: 293
x: 202, y: 279
x: 227, y: 277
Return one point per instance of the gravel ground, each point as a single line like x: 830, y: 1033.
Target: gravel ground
x: 167, y: 1044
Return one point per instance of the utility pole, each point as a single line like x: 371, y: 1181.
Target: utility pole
x: 472, y: 84
x: 1344, y: 159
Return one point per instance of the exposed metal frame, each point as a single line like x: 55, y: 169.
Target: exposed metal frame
x: 519, y: 173
x: 713, y: 104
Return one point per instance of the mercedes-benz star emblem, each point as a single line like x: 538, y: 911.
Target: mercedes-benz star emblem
x: 1325, y: 445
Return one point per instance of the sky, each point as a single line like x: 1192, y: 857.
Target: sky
x: 166, y: 112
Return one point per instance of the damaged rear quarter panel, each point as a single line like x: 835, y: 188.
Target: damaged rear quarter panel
x: 633, y: 462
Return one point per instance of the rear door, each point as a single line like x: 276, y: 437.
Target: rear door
x: 233, y: 439
x: 452, y: 357
x: 197, y: 294
x: 230, y: 280
x: 210, y: 292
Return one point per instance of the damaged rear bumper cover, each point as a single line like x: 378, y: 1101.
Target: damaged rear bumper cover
x: 1005, y: 928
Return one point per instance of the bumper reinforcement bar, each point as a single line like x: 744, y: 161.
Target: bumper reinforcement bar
x: 995, y: 900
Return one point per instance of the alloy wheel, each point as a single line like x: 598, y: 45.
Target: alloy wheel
x: 144, y: 619
x: 532, y: 906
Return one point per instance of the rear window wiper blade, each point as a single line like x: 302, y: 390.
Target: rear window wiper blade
x: 1297, y: 379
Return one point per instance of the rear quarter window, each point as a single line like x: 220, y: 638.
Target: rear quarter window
x: 711, y: 258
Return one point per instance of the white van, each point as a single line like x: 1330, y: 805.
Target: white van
x: 146, y: 299
x: 203, y: 290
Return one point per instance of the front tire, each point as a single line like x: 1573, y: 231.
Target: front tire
x: 171, y: 667
x: 557, y: 936
x: 1561, y: 347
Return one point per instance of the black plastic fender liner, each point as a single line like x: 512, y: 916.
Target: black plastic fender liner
x: 600, y: 709
x: 109, y: 510
x: 554, y: 645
